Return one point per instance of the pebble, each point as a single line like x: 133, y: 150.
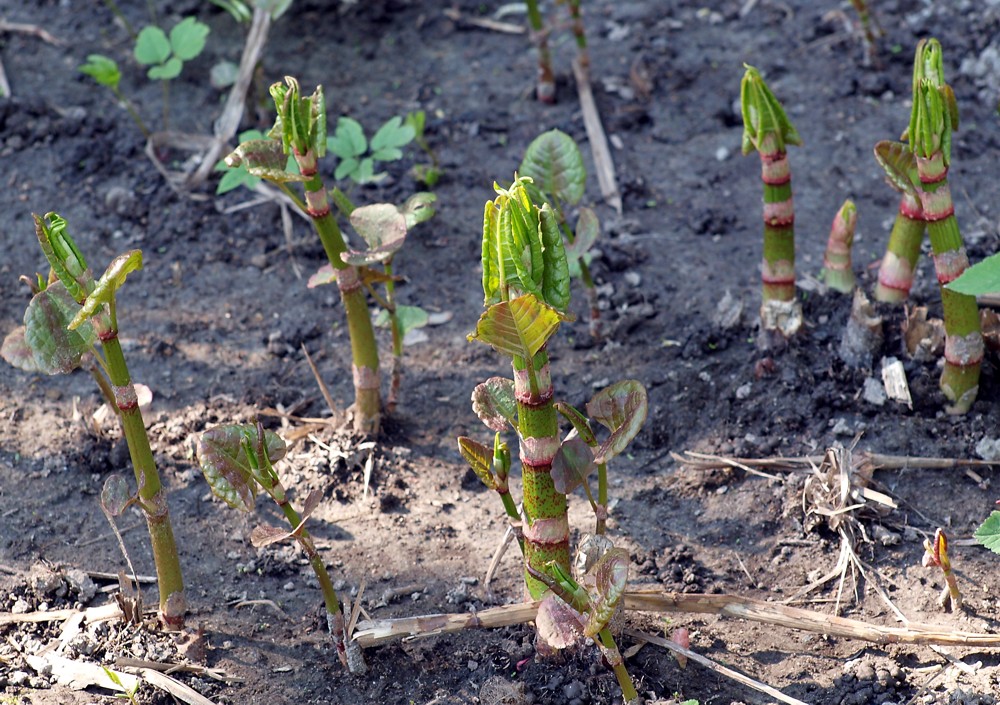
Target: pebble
x: 18, y: 678
x: 20, y: 607
x: 874, y: 392
x: 288, y: 587
x: 722, y: 154
x: 743, y: 391
x: 573, y: 689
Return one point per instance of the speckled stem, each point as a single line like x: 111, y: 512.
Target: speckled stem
x: 895, y: 275
x: 364, y: 351
x: 546, y: 526
x: 837, y: 272
x: 778, y: 266
x: 963, y: 350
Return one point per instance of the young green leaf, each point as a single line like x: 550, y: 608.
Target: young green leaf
x: 520, y: 327
x: 764, y: 117
x: 152, y: 46
x: 55, y: 348
x: 109, y: 283
x: 224, y: 462
x: 479, y: 458
x: 187, y: 38
x: 494, y: 403
x: 579, y: 421
x: 411, y: 318
x: 386, y: 142
x: 988, y: 534
x: 418, y: 208
x: 166, y: 71
x: 555, y: 164
x: 899, y: 165
x: 555, y: 282
x: 102, y: 69
x: 348, y: 140
x: 981, y: 278
x: 622, y: 409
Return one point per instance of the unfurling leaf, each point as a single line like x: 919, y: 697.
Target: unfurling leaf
x: 520, y: 327
x: 611, y: 577
x: 899, y: 165
x: 479, y: 458
x: 225, y: 464
x: 555, y: 282
x: 116, y: 495
x: 264, y: 158
x: 265, y: 535
x: 494, y: 403
x: 109, y: 283
x: 55, y: 348
x: 981, y: 278
x: 621, y: 408
x: 555, y: 164
x: 764, y: 118
x: 579, y: 422
x: 571, y: 466
x: 988, y: 534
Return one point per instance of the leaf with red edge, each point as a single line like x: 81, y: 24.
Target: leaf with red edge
x: 572, y: 464
x: 494, y: 403
x: 265, y: 535
x: 226, y: 467
x: 107, y: 286
x: 611, y: 577
x: 324, y: 275
x: 116, y: 495
x: 899, y: 165
x: 16, y: 351
x: 479, y: 458
x: 264, y: 158
x: 579, y: 421
x: 622, y: 409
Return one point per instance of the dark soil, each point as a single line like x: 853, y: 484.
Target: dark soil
x: 215, y: 323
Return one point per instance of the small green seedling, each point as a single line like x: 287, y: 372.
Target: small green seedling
x: 165, y: 56
x: 237, y: 461
x: 527, y: 295
x: 558, y: 177
x: 358, y: 156
x: 127, y: 692
x: 72, y: 322
x: 427, y: 174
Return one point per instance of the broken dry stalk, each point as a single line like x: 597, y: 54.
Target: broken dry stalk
x: 766, y: 129
x: 936, y: 554
x: 837, y: 272
x: 237, y: 462
x: 920, y: 169
x: 70, y: 314
x: 895, y: 274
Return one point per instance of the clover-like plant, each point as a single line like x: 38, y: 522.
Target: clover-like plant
x: 300, y: 132
x: 558, y: 177
x: 767, y: 130
x: 359, y: 155
x: 237, y: 461
x: 165, y: 56
x: 71, y: 322
x: 919, y: 169
x: 526, y: 287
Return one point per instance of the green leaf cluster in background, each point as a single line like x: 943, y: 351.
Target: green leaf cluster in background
x: 165, y: 55
x: 103, y: 70
x: 358, y: 156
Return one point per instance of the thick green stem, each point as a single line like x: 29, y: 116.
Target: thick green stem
x: 546, y: 529
x: 837, y: 271
x: 364, y: 351
x: 151, y: 496
x: 611, y: 652
x: 778, y: 267
x: 895, y: 275
x: 545, y: 87
x: 963, y: 352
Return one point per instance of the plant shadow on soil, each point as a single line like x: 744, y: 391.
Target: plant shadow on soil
x: 215, y: 328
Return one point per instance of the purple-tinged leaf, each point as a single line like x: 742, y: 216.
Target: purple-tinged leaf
x: 116, y: 495
x: 558, y: 625
x: 573, y: 463
x: 611, y: 578
x: 579, y: 422
x: 16, y: 351
x: 56, y: 349
x: 324, y: 275
x: 899, y: 165
x: 226, y: 467
x: 621, y: 408
x: 494, y: 403
x: 520, y: 327
x: 109, y: 283
x: 479, y: 458
x: 265, y: 535
x: 383, y: 227
x: 264, y: 158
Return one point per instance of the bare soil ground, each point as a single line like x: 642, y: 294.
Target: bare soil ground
x: 215, y: 322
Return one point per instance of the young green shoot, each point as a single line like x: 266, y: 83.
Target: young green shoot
x: 427, y: 174
x: 767, y: 130
x: 895, y: 273
x: 837, y: 271
x: 105, y: 71
x: 237, y: 461
x: 72, y: 321
x: 558, y: 177
x: 165, y: 54
x: 919, y: 169
x: 526, y: 288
